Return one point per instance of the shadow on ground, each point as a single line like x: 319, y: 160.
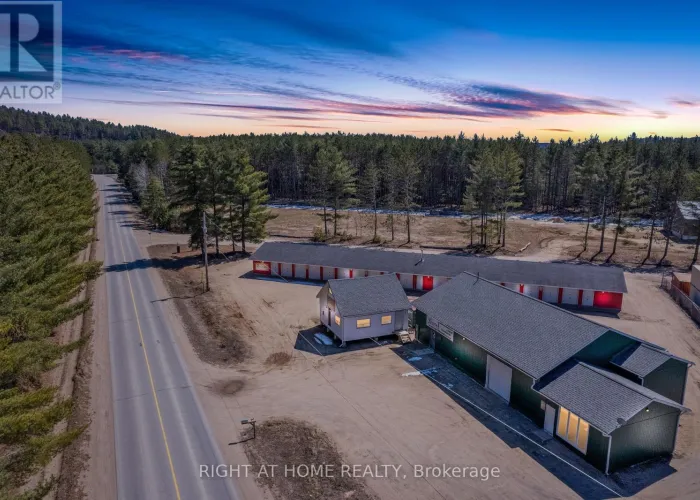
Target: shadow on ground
x: 503, y: 420
x: 176, y: 261
x: 306, y: 342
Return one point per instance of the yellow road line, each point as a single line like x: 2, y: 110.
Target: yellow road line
x: 150, y: 376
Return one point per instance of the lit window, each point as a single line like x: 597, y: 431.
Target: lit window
x: 573, y: 429
x: 386, y: 320
x: 582, y: 441
x: 563, y: 421
x: 363, y: 323
x: 337, y: 320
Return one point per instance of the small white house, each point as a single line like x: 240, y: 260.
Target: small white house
x: 362, y: 308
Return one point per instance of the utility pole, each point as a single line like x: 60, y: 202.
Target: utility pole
x: 206, y: 251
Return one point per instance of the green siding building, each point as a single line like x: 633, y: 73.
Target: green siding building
x: 611, y: 397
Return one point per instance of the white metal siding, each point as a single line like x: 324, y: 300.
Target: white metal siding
x: 531, y: 290
x: 315, y: 272
x: 300, y: 271
x: 351, y: 332
x: 323, y: 314
x: 550, y: 294
x: 587, y: 298
x: 570, y: 296
x: 287, y: 270
x: 407, y: 281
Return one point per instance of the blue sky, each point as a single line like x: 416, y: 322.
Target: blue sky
x: 549, y: 69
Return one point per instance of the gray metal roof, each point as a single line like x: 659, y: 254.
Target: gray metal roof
x: 690, y: 210
x: 580, y: 276
x: 371, y: 295
x: 601, y: 397
x: 529, y: 334
x: 640, y: 359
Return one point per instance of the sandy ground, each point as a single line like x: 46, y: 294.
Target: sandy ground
x: 378, y: 412
x: 379, y: 415
x: 547, y: 240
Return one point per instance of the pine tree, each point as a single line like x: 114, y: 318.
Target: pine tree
x: 249, y: 199
x: 370, y: 183
x: 587, y: 178
x: 483, y: 188
x: 509, y: 170
x: 405, y: 177
x: 46, y: 212
x: 155, y: 204
x: 320, y: 178
x: 190, y: 193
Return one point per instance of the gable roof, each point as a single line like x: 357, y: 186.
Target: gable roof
x: 640, y: 359
x: 690, y: 210
x: 601, y: 397
x: 531, y: 335
x: 371, y: 295
x: 587, y: 277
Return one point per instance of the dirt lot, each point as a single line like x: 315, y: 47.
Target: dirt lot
x: 547, y: 240
x: 376, y: 412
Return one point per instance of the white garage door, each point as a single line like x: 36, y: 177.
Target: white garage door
x: 314, y: 273
x: 407, y: 281
x: 570, y: 296
x: 550, y: 294
x: 587, y: 298
x: 300, y: 271
x: 287, y: 270
x: 532, y: 290
x: 343, y: 273
x: 498, y: 377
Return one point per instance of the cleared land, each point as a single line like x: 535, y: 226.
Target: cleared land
x: 374, y: 411
x: 547, y: 240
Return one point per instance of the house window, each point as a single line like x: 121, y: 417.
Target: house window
x: 573, y: 429
x: 331, y: 303
x: 337, y: 320
x: 386, y: 320
x: 363, y: 323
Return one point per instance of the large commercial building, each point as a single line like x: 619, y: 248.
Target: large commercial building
x: 611, y: 397
x: 592, y: 287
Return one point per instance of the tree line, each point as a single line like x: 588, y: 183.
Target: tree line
x: 605, y: 181
x: 14, y: 120
x: 46, y: 213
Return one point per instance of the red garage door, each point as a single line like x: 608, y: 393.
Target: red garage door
x: 607, y: 300
x: 427, y: 283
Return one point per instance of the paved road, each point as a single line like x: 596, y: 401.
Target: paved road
x: 161, y: 434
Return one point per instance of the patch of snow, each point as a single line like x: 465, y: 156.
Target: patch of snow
x: 415, y: 358
x: 428, y: 371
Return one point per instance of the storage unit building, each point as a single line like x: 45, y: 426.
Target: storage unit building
x: 568, y: 285
x: 584, y: 383
x: 368, y: 307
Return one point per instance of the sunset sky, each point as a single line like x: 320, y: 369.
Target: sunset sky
x: 548, y: 69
